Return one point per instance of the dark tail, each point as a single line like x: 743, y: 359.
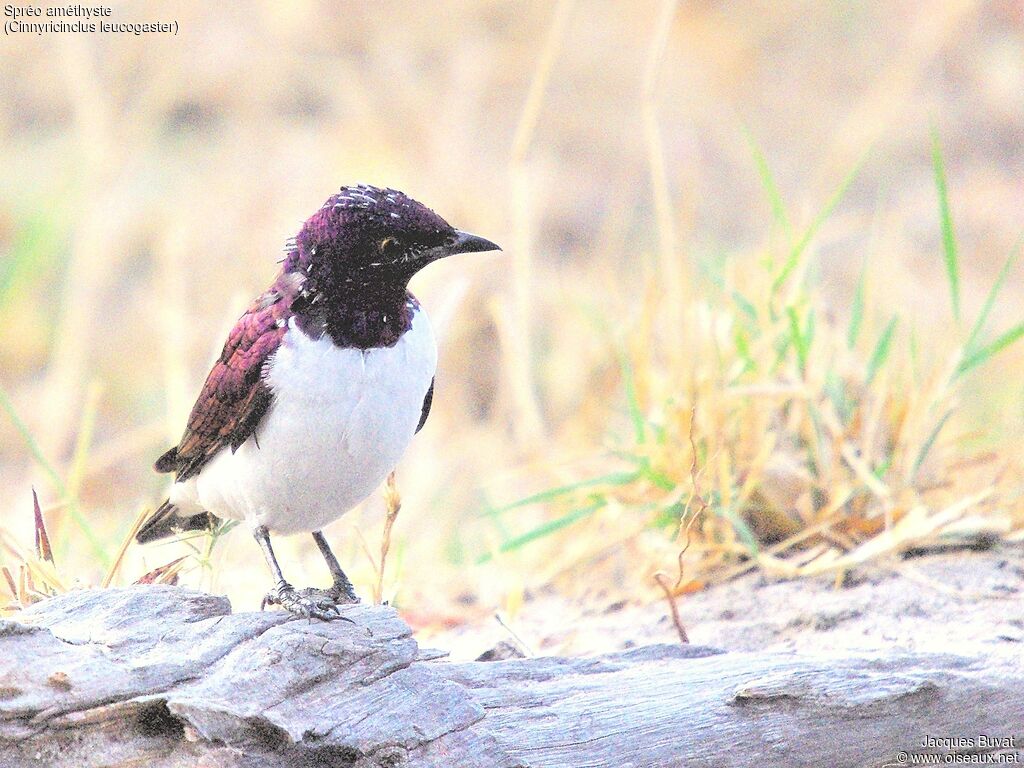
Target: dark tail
x: 167, y: 522
x: 168, y: 462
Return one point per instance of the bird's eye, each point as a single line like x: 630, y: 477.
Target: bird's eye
x: 390, y: 247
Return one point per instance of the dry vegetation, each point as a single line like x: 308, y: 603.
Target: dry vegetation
x: 757, y: 307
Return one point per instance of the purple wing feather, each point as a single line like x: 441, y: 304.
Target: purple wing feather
x: 425, y: 410
x: 234, y: 397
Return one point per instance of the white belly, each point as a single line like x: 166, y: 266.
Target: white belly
x: 339, y: 422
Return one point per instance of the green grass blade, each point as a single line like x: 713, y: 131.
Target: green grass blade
x: 742, y: 345
x: 545, y: 530
x: 30, y: 443
x: 54, y: 477
x: 836, y: 392
x: 782, y: 349
x: 928, y: 444
x: 655, y: 478
x: 743, y: 530
x: 709, y: 267
x: 36, y: 243
x: 990, y: 300
x: 615, y: 478
x: 987, y: 352
x: 799, y: 341
x: 882, y: 349
x: 771, y: 189
x: 881, y: 470
x: 632, y: 403
x: 86, y: 428
x: 946, y: 218
x: 857, y: 309
x: 745, y: 305
x: 794, y: 257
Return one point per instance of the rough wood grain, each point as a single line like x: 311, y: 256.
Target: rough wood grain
x: 163, y: 676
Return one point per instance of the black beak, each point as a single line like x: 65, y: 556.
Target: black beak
x: 463, y: 243
x: 467, y: 243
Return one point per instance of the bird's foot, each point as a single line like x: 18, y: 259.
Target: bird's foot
x: 334, y: 595
x: 342, y: 593
x: 307, y: 603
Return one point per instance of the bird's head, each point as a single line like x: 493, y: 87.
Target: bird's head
x: 365, y: 239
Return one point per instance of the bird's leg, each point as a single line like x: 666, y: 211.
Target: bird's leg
x: 284, y: 594
x: 341, y: 588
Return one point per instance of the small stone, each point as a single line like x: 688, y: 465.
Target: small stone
x: 59, y: 680
x: 1010, y: 633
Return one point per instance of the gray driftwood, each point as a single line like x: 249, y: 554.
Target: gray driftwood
x: 164, y: 676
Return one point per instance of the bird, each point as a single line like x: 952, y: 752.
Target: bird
x: 319, y: 389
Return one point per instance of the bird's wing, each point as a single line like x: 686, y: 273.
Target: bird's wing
x: 235, y: 396
x: 425, y: 411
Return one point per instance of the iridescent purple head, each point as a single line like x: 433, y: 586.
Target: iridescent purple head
x: 364, y: 237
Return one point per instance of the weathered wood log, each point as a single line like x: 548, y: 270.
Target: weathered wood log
x: 164, y: 676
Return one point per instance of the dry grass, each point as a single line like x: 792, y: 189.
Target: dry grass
x: 799, y: 360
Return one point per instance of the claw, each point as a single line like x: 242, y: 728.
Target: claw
x: 343, y: 594
x: 325, y: 600
x: 307, y: 603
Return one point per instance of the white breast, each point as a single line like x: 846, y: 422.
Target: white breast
x: 339, y: 422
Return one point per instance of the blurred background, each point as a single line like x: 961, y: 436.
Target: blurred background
x: 747, y: 249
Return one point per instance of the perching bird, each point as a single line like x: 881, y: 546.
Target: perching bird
x: 320, y: 387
